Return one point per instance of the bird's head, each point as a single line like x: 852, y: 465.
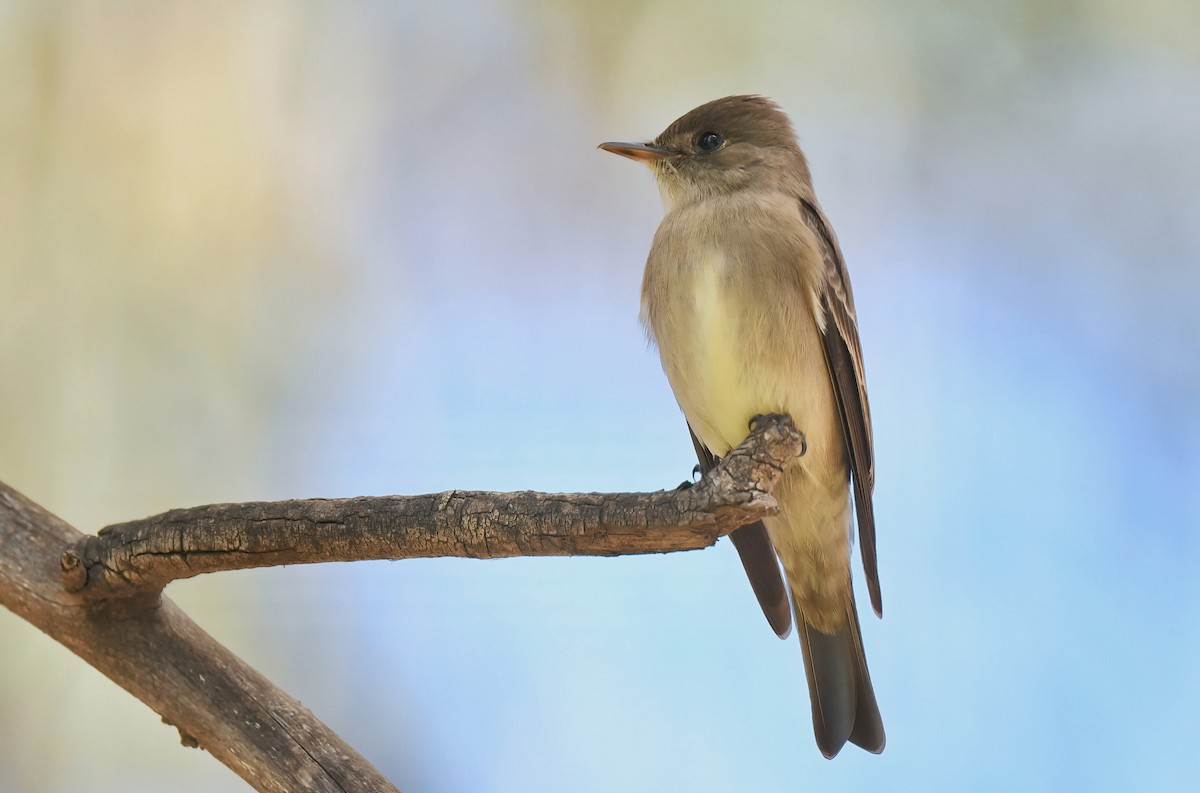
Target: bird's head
x: 727, y: 145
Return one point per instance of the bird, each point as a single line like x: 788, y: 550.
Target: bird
x: 745, y: 294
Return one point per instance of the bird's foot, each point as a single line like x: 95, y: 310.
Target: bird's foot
x: 775, y: 418
x: 766, y: 418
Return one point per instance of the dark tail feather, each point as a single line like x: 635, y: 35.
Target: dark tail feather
x: 762, y: 568
x: 868, y: 724
x: 758, y: 559
x: 843, y: 700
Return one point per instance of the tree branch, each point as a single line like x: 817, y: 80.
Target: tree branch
x: 145, y: 555
x: 153, y: 650
x: 101, y: 596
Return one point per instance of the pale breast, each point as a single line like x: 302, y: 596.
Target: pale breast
x: 707, y: 366
x: 736, y: 343
x: 730, y: 296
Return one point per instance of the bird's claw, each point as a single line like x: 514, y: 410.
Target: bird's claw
x: 774, y: 418
x: 770, y: 418
x: 685, y: 485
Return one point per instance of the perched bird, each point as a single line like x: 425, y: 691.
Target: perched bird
x: 747, y: 298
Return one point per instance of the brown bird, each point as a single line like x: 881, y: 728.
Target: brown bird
x: 747, y: 298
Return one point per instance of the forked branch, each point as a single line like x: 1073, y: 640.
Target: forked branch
x: 101, y: 596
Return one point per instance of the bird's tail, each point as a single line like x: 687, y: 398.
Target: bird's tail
x: 843, y: 700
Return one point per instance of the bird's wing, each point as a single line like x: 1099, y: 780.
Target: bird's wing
x: 843, y: 353
x: 758, y: 559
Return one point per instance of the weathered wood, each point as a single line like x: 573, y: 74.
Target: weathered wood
x: 101, y: 596
x: 155, y: 652
x: 145, y: 555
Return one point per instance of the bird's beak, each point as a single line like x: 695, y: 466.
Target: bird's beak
x: 642, y: 152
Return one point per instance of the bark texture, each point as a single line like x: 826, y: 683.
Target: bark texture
x: 101, y: 596
x: 153, y: 650
x: 145, y: 555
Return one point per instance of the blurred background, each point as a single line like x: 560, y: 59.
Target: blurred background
x: 267, y: 250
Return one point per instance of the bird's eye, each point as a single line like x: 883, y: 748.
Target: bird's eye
x: 709, y: 141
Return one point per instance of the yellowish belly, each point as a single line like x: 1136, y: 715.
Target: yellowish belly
x: 731, y: 355
x: 720, y: 392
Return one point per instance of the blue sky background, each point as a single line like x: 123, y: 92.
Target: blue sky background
x: 267, y: 250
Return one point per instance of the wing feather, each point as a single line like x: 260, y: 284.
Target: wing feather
x: 843, y: 353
